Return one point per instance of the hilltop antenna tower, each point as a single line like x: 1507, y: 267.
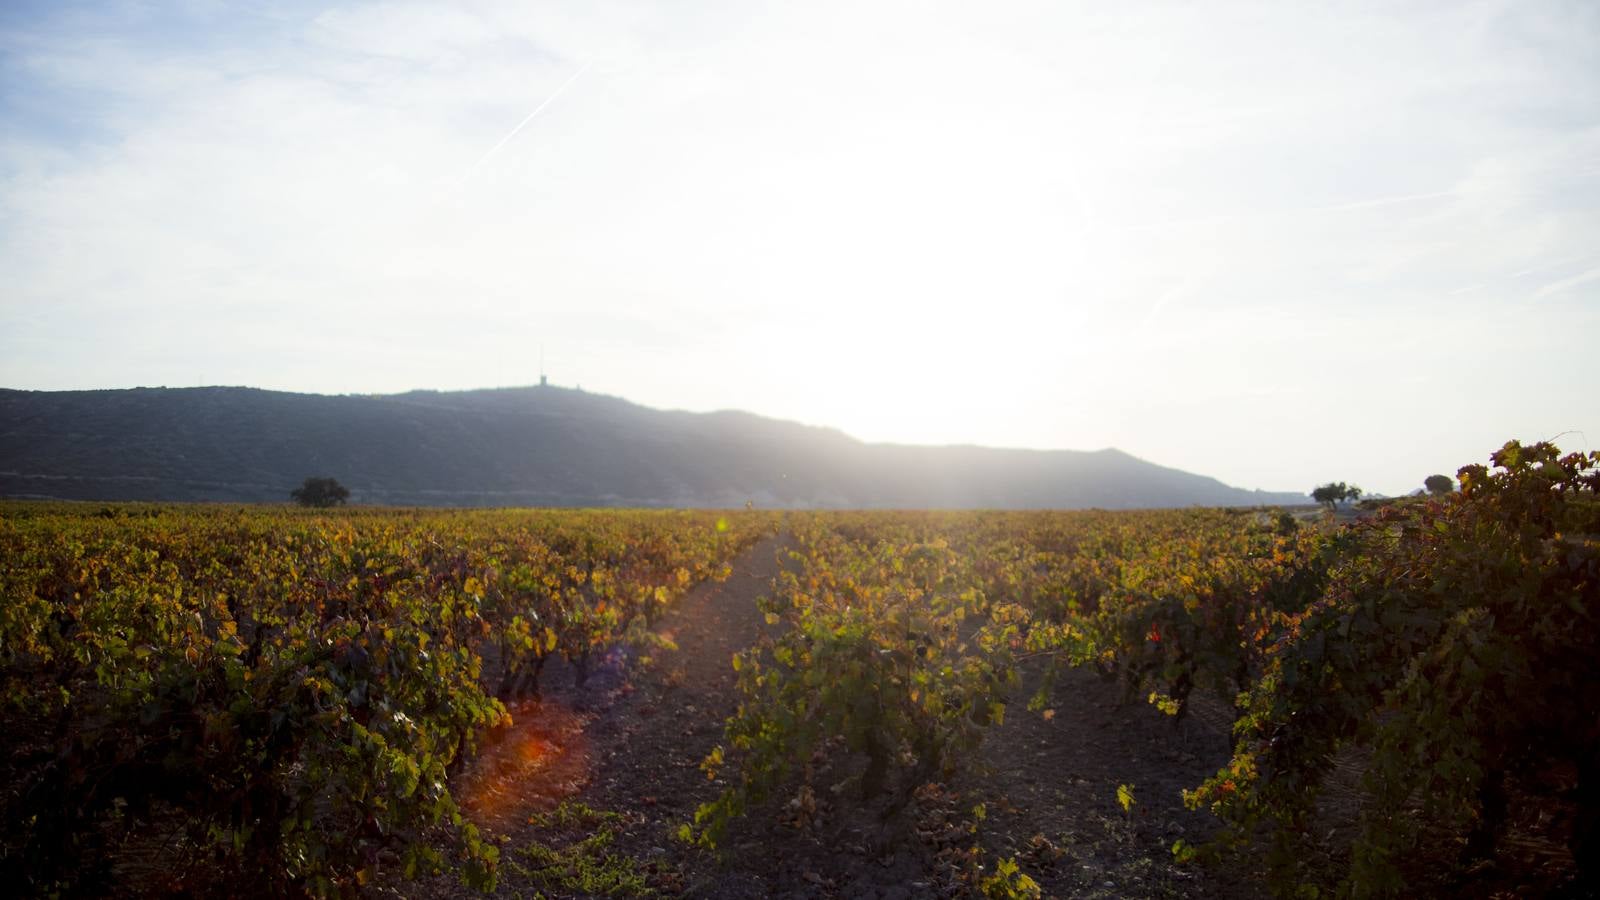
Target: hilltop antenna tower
x: 543, y: 381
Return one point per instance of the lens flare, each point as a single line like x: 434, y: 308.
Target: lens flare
x: 531, y: 765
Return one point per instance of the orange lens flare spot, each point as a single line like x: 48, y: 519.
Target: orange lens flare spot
x: 539, y: 760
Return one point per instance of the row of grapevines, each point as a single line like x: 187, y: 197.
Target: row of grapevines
x: 882, y: 644
x: 1456, y: 642
x: 1175, y: 601
x: 286, y: 693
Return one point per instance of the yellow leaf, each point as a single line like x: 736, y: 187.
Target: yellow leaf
x: 1125, y: 796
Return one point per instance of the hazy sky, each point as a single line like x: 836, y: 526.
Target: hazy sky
x: 1278, y: 243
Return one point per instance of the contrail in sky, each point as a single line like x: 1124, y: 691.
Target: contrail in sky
x: 529, y: 118
x: 1387, y: 201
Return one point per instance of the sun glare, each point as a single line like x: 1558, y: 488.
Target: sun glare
x: 529, y: 766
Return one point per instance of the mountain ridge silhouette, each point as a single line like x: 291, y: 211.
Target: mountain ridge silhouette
x: 532, y: 446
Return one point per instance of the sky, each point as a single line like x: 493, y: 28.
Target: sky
x: 1276, y: 243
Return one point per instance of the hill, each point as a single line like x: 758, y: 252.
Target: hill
x: 536, y: 446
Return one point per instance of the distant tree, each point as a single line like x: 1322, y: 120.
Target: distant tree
x: 1439, y: 484
x: 320, y: 492
x: 1335, y: 492
x: 1328, y: 494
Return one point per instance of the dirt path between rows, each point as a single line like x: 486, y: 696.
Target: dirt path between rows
x: 631, y: 741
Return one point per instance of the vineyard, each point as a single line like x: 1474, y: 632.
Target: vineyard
x: 1193, y: 702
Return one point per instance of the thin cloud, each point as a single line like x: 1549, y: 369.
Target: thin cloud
x: 1567, y: 284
